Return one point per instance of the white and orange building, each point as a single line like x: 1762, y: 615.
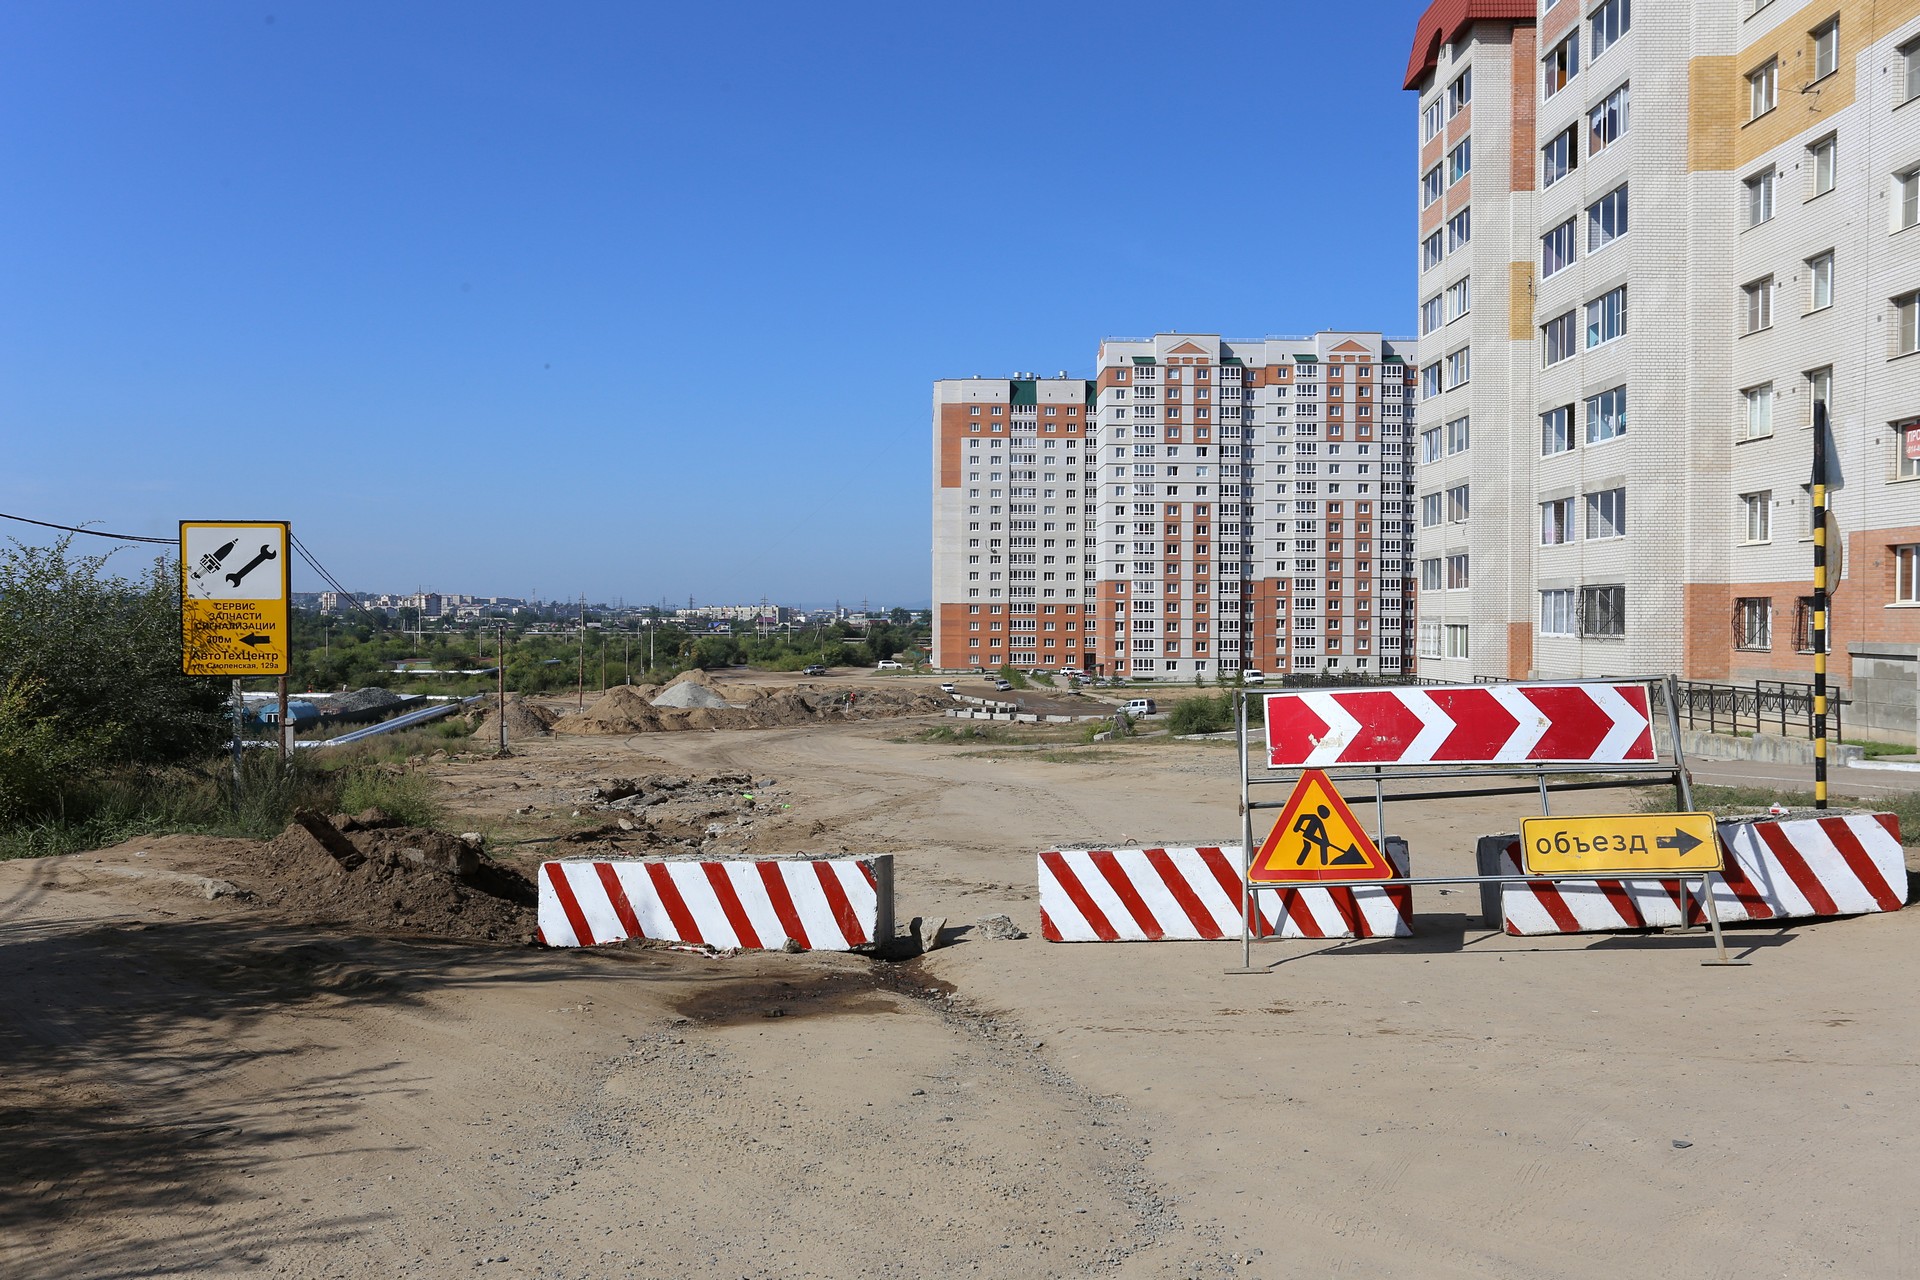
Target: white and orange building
x: 1202, y: 507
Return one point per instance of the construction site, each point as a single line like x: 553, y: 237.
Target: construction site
x: 357, y: 1049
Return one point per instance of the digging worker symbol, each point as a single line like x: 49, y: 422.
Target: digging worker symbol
x: 1312, y: 828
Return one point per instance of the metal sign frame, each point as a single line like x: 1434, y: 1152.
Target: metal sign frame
x: 1546, y: 779
x: 234, y: 563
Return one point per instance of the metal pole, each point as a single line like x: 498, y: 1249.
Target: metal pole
x: 1249, y: 912
x: 1819, y: 604
x: 286, y: 729
x: 501, y: 672
x: 239, y: 713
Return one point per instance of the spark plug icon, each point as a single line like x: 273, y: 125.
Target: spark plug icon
x: 211, y: 563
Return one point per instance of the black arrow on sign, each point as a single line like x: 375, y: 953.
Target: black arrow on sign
x: 1680, y: 842
x: 253, y: 640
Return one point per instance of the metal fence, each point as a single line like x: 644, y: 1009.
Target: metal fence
x: 1765, y: 706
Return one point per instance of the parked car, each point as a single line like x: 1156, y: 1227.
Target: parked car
x: 888, y: 664
x: 815, y: 670
x: 1003, y: 685
x: 1253, y: 677
x: 1072, y: 673
x: 1137, y: 707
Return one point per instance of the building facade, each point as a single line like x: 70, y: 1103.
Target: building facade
x: 1201, y: 508
x: 1705, y: 212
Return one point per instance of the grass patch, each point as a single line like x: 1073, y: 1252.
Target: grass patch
x: 1875, y: 749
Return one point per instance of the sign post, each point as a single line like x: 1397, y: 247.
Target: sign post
x: 234, y: 596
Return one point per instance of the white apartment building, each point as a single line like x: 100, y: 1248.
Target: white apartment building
x: 1703, y: 211
x: 1202, y: 507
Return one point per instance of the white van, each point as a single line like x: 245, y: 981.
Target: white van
x: 1137, y: 707
x: 1253, y: 677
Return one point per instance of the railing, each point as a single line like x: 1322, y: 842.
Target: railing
x: 1765, y: 705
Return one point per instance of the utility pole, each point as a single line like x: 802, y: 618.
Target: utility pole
x: 581, y: 686
x: 501, y: 707
x: 1819, y: 604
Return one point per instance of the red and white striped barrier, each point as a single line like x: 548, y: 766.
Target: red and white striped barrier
x: 1809, y: 867
x: 822, y: 904
x: 1461, y: 724
x: 1190, y: 895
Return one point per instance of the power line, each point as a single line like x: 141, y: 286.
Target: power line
x: 92, y: 533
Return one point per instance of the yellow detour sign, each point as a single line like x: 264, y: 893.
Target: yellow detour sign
x: 233, y: 597
x: 1621, y: 844
x: 1317, y: 838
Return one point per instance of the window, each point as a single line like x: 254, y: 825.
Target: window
x: 1456, y: 573
x: 1907, y: 324
x: 1429, y: 640
x: 1430, y: 252
x: 1556, y: 249
x: 1459, y: 298
x: 1606, y: 317
x: 1607, y: 121
x: 1430, y: 578
x: 1459, y: 367
x: 1561, y: 64
x: 1459, y: 435
x: 1759, y: 411
x: 1762, y: 90
x: 1607, y: 415
x: 1820, y: 281
x: 1557, y: 338
x: 1753, y: 622
x: 1556, y: 522
x: 1910, y: 55
x: 1430, y: 510
x: 1430, y: 315
x: 1819, y: 389
x: 1607, y: 514
x: 1430, y: 186
x: 1803, y: 624
x: 1611, y: 20
x: 1458, y: 503
x: 1460, y: 161
x: 1759, y: 509
x: 1760, y: 198
x: 1826, y: 50
x: 1430, y: 119
x: 1906, y: 442
x: 1906, y: 574
x: 1560, y: 157
x: 1759, y: 304
x: 1460, y: 93
x: 1603, y: 611
x: 1607, y: 219
x: 1430, y: 381
x: 1820, y: 160
x: 1430, y: 445
x: 1459, y: 229
x: 1556, y: 430
x: 1456, y: 640
x: 1556, y: 613
x: 1906, y: 199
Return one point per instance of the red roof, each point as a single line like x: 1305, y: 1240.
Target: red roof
x: 1444, y: 20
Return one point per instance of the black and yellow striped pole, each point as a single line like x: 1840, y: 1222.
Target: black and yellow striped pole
x: 1819, y: 604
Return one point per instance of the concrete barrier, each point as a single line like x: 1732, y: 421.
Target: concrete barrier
x: 823, y: 904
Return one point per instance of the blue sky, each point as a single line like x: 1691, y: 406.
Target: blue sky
x: 641, y: 300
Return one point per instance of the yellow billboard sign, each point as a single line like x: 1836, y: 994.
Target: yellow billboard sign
x: 1622, y: 845
x: 234, y: 592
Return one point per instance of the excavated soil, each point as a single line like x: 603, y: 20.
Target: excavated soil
x: 629, y: 709
x: 405, y: 882
x: 524, y: 719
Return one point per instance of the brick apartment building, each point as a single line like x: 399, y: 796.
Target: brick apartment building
x: 1709, y: 212
x: 1202, y: 507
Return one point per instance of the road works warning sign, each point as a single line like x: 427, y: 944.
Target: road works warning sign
x: 233, y: 597
x: 1620, y: 844
x: 1317, y: 838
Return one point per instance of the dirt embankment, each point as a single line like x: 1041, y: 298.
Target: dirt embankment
x: 645, y: 708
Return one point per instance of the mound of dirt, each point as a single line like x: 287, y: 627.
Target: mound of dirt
x: 406, y: 880
x: 524, y: 719
x: 690, y: 693
x: 622, y: 710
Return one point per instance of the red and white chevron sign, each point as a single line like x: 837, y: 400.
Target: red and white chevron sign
x: 1461, y: 724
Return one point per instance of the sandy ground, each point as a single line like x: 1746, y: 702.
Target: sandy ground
x: 194, y: 1089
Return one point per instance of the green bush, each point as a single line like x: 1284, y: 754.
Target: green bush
x: 1201, y: 714
x: 406, y: 796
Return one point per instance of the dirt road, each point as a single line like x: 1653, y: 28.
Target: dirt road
x: 193, y: 1089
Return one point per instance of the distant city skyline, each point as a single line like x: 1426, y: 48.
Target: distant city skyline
x: 635, y: 301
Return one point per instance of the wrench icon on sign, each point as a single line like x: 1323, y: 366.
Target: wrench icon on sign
x: 266, y: 553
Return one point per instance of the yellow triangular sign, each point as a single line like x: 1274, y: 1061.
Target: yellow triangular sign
x: 1317, y: 838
